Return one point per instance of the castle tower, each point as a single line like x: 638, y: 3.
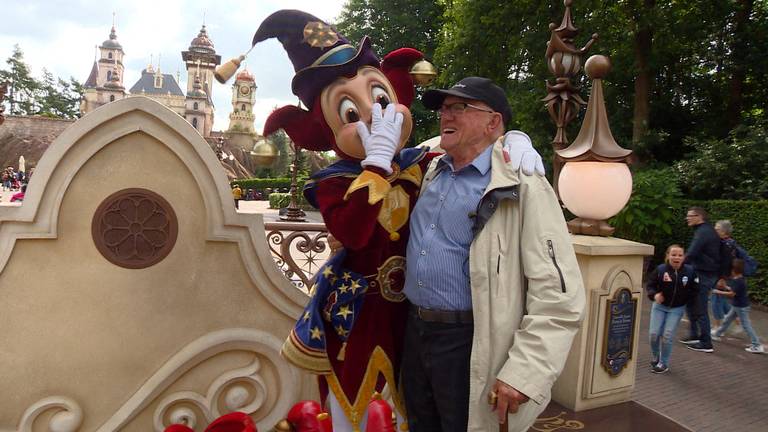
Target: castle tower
x: 243, y: 97
x: 201, y: 61
x: 105, y: 82
x: 198, y: 111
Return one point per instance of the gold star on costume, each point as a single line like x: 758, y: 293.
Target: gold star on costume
x: 317, y: 333
x: 347, y: 276
x: 319, y: 35
x: 355, y: 286
x: 333, y: 280
x: 340, y: 331
x: 307, y: 315
x: 344, y: 311
x: 343, y: 288
x: 327, y: 272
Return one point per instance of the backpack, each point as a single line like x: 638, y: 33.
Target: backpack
x: 750, y: 264
x: 729, y: 250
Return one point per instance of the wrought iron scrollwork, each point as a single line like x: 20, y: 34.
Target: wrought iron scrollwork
x: 299, y: 249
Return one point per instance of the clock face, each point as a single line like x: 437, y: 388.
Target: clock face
x: 245, y: 90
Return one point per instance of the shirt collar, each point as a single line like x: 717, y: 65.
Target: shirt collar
x: 482, y: 162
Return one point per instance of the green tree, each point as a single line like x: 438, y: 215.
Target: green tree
x: 59, y: 98
x: 393, y: 24
x: 22, y: 86
x: 51, y: 96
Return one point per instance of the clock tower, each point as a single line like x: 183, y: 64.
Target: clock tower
x: 243, y: 97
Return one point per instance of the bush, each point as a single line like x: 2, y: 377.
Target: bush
x: 264, y: 183
x: 730, y: 168
x: 280, y: 200
x: 650, y: 209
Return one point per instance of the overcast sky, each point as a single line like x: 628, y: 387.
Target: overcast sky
x: 61, y: 36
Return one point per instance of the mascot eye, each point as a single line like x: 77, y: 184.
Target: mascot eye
x: 348, y: 111
x: 381, y: 96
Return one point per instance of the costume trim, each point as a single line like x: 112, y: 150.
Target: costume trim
x: 379, y: 363
x: 413, y: 174
x: 378, y: 186
x: 304, y: 357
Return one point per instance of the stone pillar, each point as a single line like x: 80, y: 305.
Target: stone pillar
x: 600, y: 370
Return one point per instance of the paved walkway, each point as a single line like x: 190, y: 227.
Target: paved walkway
x: 723, y: 391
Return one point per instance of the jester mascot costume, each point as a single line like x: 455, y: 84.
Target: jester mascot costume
x: 351, y: 331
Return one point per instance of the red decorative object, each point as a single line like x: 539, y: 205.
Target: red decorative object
x: 134, y: 228
x: 232, y: 422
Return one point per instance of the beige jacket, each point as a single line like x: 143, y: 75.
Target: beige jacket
x: 527, y: 293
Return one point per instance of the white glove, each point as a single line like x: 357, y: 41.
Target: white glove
x: 521, y: 153
x: 382, y: 141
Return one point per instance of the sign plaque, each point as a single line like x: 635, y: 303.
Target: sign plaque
x: 619, y: 332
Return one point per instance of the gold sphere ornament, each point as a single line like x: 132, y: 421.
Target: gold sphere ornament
x: 264, y: 153
x: 423, y: 73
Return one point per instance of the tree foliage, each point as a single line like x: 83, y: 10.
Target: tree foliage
x: 49, y: 96
x: 733, y: 168
x: 684, y: 73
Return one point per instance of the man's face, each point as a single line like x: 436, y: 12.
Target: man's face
x: 466, y: 129
x: 693, y: 218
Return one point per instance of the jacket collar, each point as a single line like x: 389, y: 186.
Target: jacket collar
x: 502, y: 174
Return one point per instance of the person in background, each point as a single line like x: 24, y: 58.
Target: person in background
x: 237, y: 194
x: 736, y: 289
x: 671, y: 286
x: 704, y: 256
x: 720, y: 304
x: 19, y: 196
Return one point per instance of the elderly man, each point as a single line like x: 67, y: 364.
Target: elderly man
x: 496, y: 292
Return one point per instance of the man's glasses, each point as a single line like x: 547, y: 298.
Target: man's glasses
x: 460, y: 108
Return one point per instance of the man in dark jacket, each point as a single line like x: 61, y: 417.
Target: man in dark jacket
x: 704, y: 255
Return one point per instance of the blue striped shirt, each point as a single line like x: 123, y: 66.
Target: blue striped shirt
x: 437, y: 272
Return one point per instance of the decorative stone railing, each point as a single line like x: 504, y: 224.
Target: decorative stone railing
x: 299, y: 249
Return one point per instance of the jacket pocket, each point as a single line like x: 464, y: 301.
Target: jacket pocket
x: 553, y: 256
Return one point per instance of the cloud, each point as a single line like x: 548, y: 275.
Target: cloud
x: 61, y: 36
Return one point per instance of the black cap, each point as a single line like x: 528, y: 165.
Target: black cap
x: 476, y: 88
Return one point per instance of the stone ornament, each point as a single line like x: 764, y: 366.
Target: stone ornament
x: 134, y: 228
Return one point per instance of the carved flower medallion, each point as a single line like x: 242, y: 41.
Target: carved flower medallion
x: 134, y: 228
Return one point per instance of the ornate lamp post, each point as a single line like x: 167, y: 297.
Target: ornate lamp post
x: 293, y: 213
x: 595, y: 182
x: 563, y: 101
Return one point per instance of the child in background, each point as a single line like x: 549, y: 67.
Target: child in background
x: 736, y: 289
x: 670, y: 286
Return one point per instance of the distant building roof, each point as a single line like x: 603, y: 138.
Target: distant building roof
x: 91, y: 81
x: 112, y: 41
x: 146, y: 84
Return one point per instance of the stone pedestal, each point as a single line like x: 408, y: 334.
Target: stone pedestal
x: 595, y: 375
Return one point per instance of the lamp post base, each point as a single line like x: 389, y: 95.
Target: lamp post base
x: 293, y: 214
x: 590, y: 227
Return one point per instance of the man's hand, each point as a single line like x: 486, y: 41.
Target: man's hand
x: 507, y: 400
x: 659, y: 297
x: 521, y: 153
x: 382, y: 141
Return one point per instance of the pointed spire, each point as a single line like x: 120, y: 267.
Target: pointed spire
x: 595, y: 140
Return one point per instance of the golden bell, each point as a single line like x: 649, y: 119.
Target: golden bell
x: 283, y: 426
x: 224, y: 72
x: 423, y: 73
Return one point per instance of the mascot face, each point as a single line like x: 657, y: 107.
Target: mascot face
x: 349, y: 100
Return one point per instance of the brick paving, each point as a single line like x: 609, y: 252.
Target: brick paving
x: 723, y: 391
